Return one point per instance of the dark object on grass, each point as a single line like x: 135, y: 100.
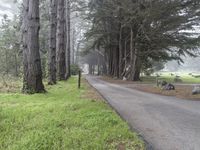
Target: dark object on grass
x: 197, y: 76
x: 161, y: 83
x: 169, y: 87
x: 157, y: 75
x: 178, y: 80
x: 196, y: 90
x: 190, y: 74
x: 164, y: 83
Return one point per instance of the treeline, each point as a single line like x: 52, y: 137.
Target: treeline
x: 40, y: 42
x: 59, y: 44
x: 134, y: 35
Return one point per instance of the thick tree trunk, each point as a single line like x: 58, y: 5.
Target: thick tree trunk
x: 73, y: 46
x: 138, y: 70
x: 134, y: 60
x: 90, y: 69
x: 68, y: 40
x: 16, y: 65
x: 52, y: 44
x: 133, y: 57
x: 116, y: 62
x: 60, y: 45
x: 32, y: 62
x: 120, y: 53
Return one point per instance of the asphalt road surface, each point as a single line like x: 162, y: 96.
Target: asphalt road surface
x: 166, y: 123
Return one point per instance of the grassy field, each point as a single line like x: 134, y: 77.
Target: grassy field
x: 185, y: 77
x: 62, y: 119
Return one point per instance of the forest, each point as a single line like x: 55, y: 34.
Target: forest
x: 128, y: 38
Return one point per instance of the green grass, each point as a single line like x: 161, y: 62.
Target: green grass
x: 166, y: 76
x: 61, y: 120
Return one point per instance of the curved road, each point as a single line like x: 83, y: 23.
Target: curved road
x: 166, y: 123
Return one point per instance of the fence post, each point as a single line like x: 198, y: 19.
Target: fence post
x: 79, y: 79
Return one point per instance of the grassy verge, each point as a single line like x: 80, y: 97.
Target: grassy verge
x: 186, y: 78
x: 62, y: 119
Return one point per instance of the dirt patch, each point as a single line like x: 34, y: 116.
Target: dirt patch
x: 91, y: 93
x: 121, y: 146
x: 182, y: 91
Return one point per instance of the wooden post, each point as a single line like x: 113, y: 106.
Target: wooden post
x: 157, y: 84
x: 79, y: 79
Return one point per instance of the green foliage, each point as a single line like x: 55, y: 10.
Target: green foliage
x: 10, y: 58
x: 61, y: 119
x: 74, y: 69
x: 159, y: 30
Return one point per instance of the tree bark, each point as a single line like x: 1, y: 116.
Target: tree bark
x: 68, y: 40
x: 73, y: 46
x: 134, y: 59
x: 132, y: 56
x: 52, y: 44
x: 60, y: 45
x: 31, y: 55
x: 120, y: 53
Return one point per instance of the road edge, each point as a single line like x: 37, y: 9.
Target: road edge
x: 148, y: 146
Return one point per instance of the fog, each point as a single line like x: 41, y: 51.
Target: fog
x: 8, y: 7
x: 190, y: 65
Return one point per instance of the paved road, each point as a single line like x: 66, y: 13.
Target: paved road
x: 166, y: 123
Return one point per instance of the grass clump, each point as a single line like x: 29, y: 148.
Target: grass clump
x: 62, y: 119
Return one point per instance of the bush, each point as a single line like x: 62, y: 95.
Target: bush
x: 148, y: 72
x: 177, y: 79
x: 74, y: 69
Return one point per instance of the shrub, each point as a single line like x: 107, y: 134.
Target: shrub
x: 74, y: 69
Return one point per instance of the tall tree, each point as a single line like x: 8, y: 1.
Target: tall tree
x: 31, y: 56
x: 61, y: 39
x: 133, y: 33
x: 52, y: 44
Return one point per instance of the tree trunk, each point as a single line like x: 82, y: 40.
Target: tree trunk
x: 52, y: 44
x: 138, y: 70
x: 120, y: 53
x: 32, y: 62
x: 134, y: 60
x: 90, y: 69
x: 73, y: 46
x: 132, y: 56
x: 60, y: 45
x: 68, y: 40
x: 16, y: 65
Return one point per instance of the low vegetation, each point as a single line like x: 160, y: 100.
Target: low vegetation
x: 9, y: 84
x: 184, y: 78
x: 63, y: 118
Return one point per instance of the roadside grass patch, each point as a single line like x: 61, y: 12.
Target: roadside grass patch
x: 62, y: 119
x: 186, y: 78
